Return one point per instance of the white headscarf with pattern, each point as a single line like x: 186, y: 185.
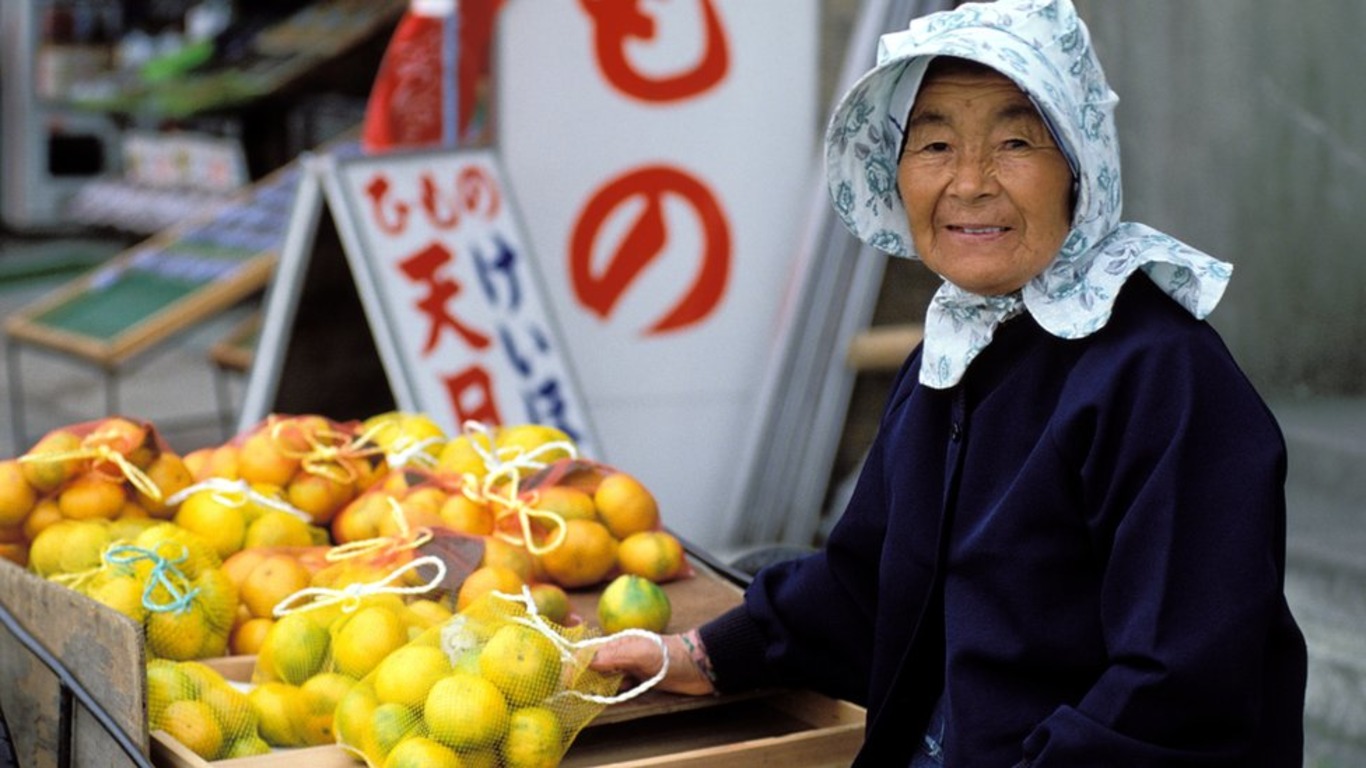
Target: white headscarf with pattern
x: 1045, y: 48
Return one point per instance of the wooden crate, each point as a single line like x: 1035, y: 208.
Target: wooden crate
x: 101, y: 648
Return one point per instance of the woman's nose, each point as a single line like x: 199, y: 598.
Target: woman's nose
x: 974, y: 175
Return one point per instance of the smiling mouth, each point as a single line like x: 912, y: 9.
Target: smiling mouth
x: 978, y: 230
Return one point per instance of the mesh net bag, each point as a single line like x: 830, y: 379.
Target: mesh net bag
x: 497, y: 684
x: 201, y: 709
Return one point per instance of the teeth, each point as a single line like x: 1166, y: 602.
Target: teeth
x: 981, y: 230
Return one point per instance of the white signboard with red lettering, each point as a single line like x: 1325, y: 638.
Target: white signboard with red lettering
x: 663, y: 152
x: 448, y: 288
x: 451, y: 291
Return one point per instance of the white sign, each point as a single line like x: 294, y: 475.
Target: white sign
x: 663, y: 152
x: 450, y: 288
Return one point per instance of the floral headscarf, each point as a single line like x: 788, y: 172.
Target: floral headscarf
x: 1045, y: 48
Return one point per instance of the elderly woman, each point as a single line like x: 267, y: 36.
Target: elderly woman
x: 1067, y: 544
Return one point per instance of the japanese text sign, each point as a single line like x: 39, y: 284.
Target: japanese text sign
x: 451, y: 291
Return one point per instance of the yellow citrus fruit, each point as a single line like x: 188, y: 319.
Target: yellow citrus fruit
x: 185, y: 549
x: 297, y: 647
x: 428, y: 613
x: 170, y: 475
x: 408, y: 674
x: 351, y: 719
x: 222, y: 462
x: 585, y: 557
x: 231, y: 708
x: 17, y: 497
x: 511, y: 556
x: 551, y: 601
x: 463, y: 514
x: 124, y: 436
x: 192, y: 723
x: 166, y: 682
x: 262, y: 459
x: 422, y: 752
x: 633, y: 602
x: 240, y: 563
x: 569, y: 503
x: 486, y: 579
x: 321, y: 694
x: 462, y: 455
x: 223, y: 526
x: 390, y: 725
x: 466, y: 712
x: 525, y: 439
x: 396, y: 431
x: 249, y: 745
x: 522, y: 662
x: 279, y: 709
x: 45, y: 513
x: 273, y: 579
x: 656, y: 555
x: 217, y: 595
x: 535, y: 739
x: 274, y: 528
x: 361, y: 640
x: 318, y: 495
x: 68, y: 546
x: 92, y: 496
x: 178, y: 633
x: 359, y: 520
x: 128, y: 527
x: 248, y: 636
x: 123, y: 593
x: 625, y: 506
x: 47, y: 474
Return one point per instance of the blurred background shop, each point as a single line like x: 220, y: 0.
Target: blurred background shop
x: 122, y: 119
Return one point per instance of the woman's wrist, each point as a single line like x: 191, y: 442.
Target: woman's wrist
x: 697, y: 651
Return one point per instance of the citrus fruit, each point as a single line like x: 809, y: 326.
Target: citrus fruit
x: 216, y: 594
x: 297, y: 647
x: 279, y: 708
x: 390, y: 724
x: 321, y: 694
x: 462, y: 514
x: 230, y: 707
x: 359, y: 519
x: 518, y: 440
x: 633, y: 602
x: 511, y: 556
x: 425, y: 613
x: 551, y: 602
x: 421, y: 752
x: 47, y: 474
x: 192, y: 723
x: 17, y: 497
x: 261, y: 459
x: 407, y: 675
x: 534, y: 739
x: 248, y: 636
x: 91, y: 496
x: 240, y: 563
x: 364, y: 638
x: 656, y: 555
x: 166, y: 682
x: 273, y: 579
x: 45, y: 513
x: 178, y: 633
x: 522, y: 662
x: 466, y: 712
x: 249, y: 745
x: 320, y: 496
x: 184, y: 549
x: 486, y: 579
x: 170, y: 475
x: 625, y: 506
x: 351, y: 719
x: 68, y: 546
x: 275, y: 528
x: 569, y: 503
x: 463, y: 455
x: 586, y: 555
x: 223, y: 526
x: 123, y: 593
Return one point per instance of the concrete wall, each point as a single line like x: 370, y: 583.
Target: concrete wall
x: 1243, y: 132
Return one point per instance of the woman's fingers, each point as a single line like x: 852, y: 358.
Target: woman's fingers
x: 641, y: 659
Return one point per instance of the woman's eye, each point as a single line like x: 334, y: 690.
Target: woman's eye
x: 934, y: 147
x: 1016, y: 144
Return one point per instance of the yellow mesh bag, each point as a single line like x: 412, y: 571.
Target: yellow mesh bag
x: 497, y: 684
x: 197, y: 706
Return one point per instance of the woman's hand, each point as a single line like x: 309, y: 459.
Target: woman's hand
x: 640, y: 658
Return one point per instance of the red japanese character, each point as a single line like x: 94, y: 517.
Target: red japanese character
x: 423, y: 266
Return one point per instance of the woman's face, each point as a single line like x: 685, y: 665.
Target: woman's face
x: 987, y: 190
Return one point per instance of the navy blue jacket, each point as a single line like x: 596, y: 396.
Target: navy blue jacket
x: 1081, y: 547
